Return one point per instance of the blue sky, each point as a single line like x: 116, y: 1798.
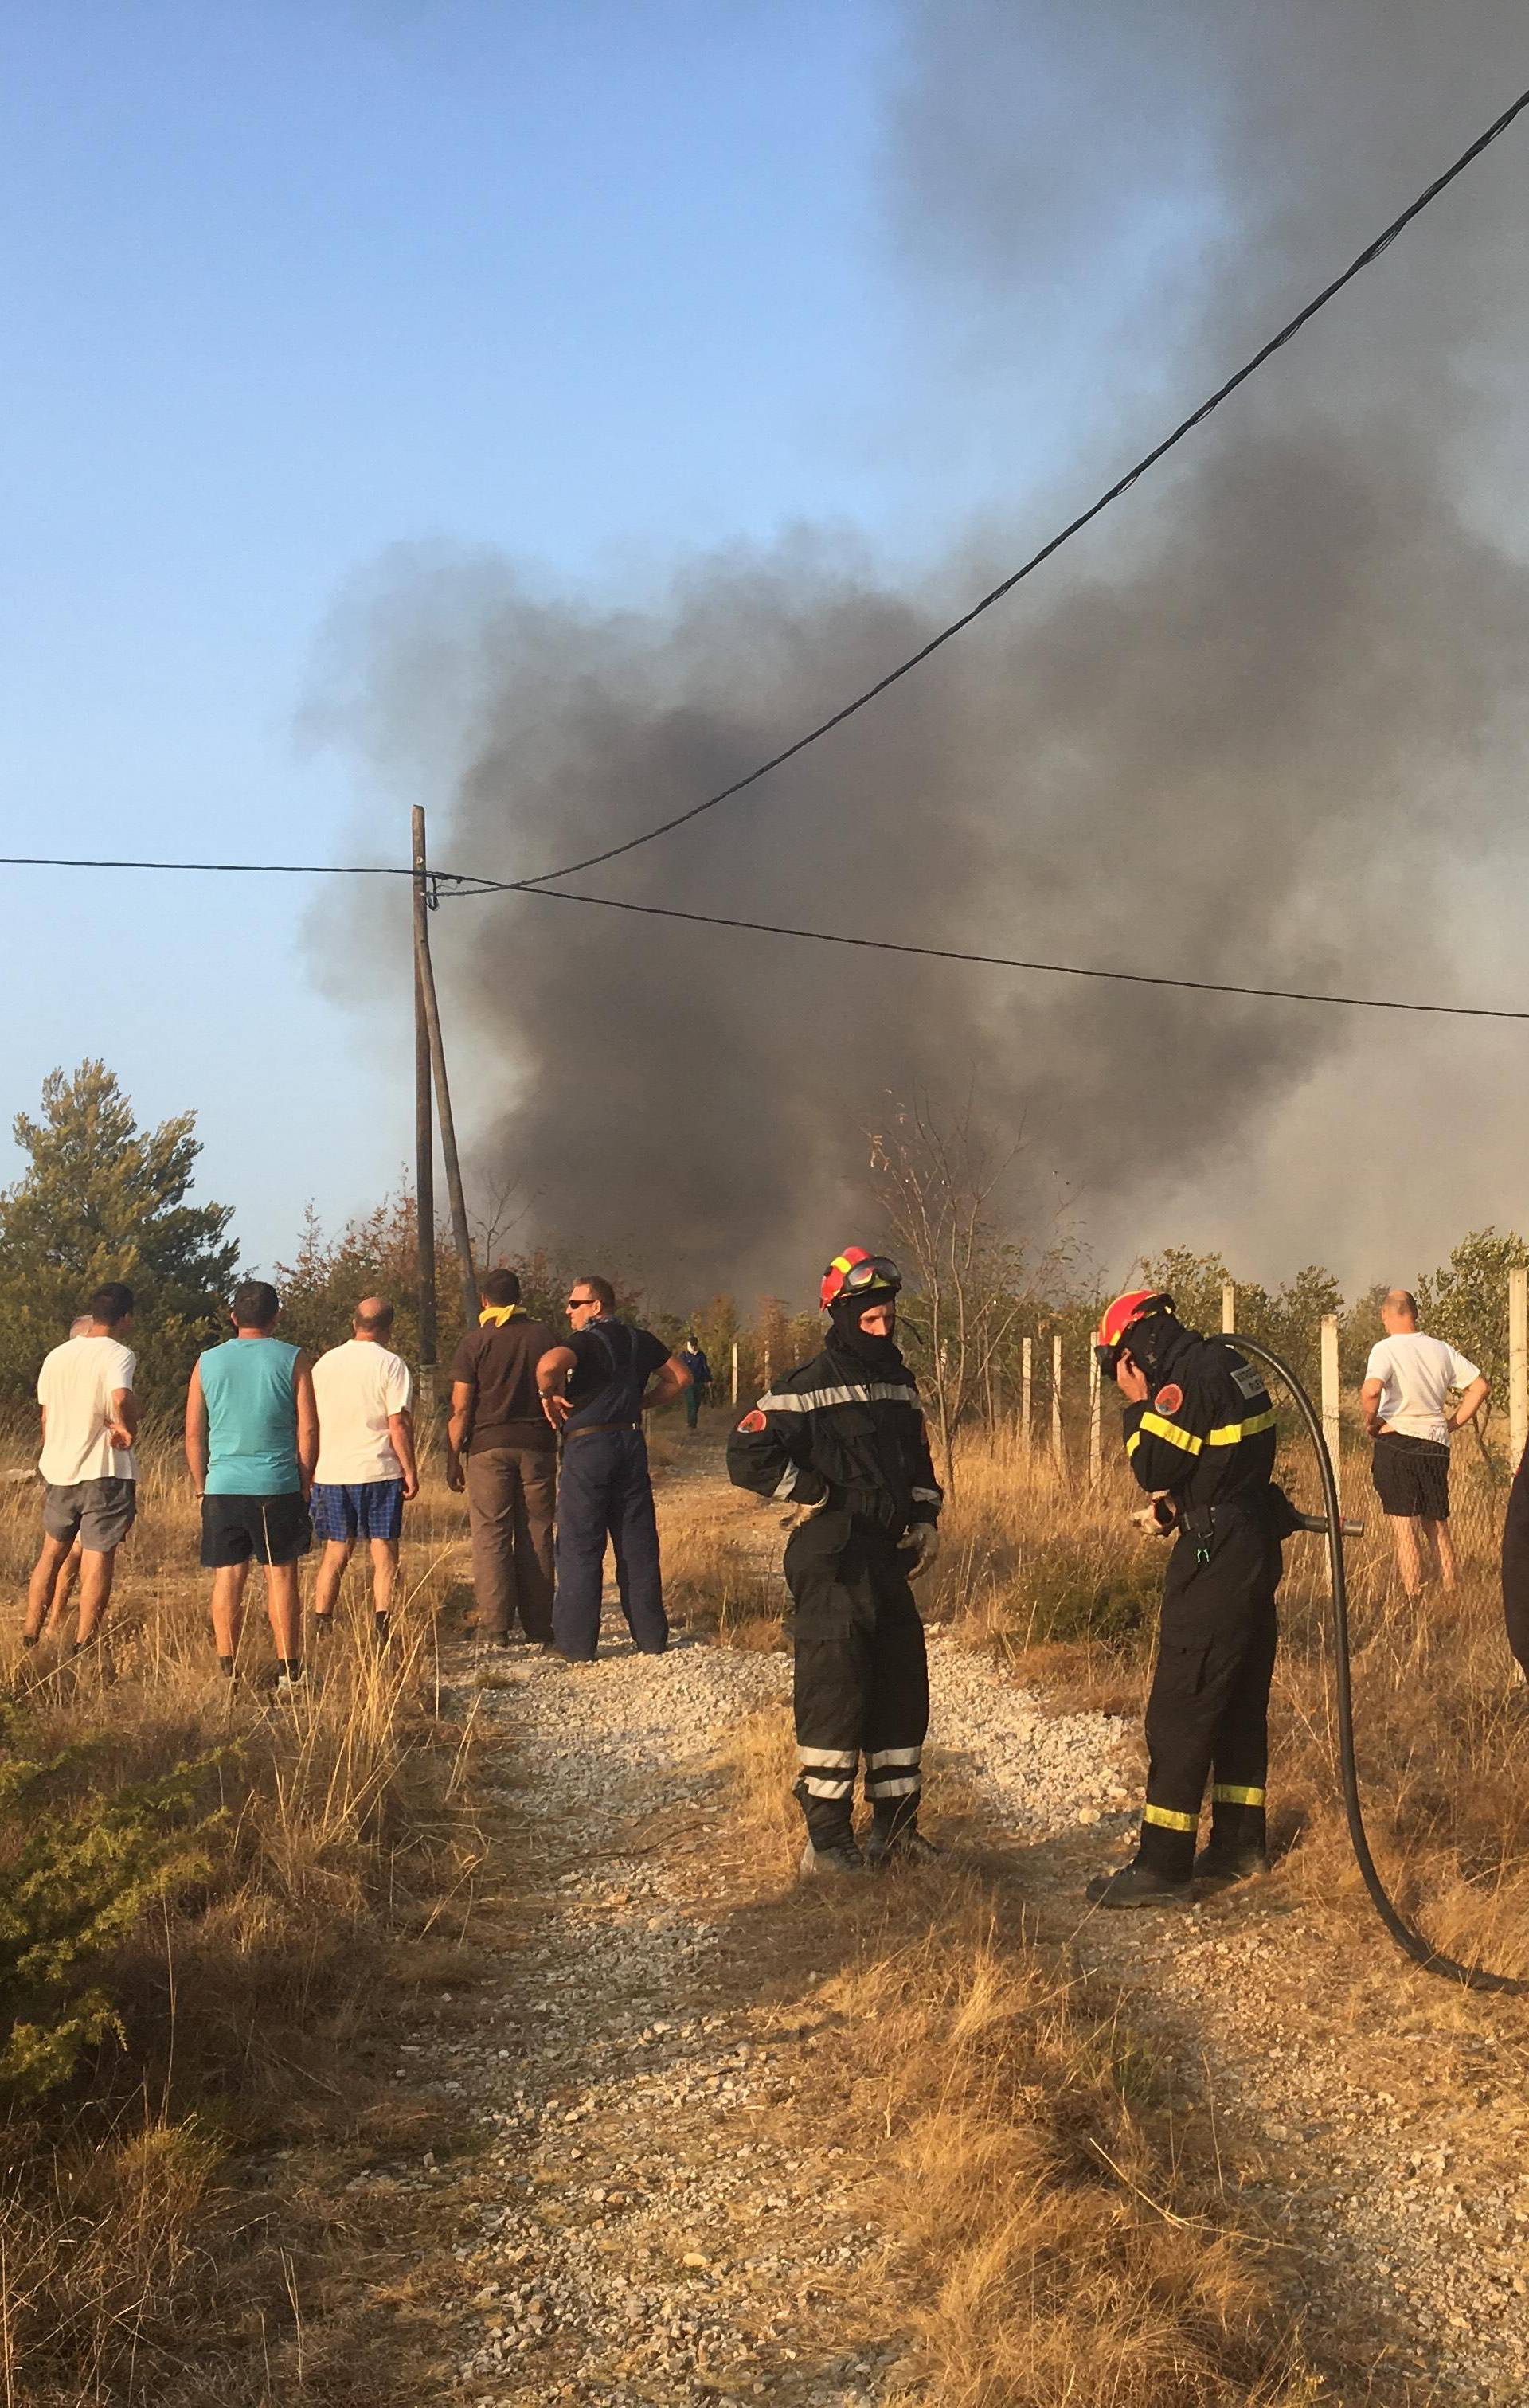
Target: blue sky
x: 285, y: 285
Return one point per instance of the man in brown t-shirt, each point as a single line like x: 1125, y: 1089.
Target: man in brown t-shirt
x: 510, y: 1473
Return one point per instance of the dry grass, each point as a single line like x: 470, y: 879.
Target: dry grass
x: 1059, y: 2221
x: 1050, y: 1574
x: 722, y: 1567
x: 333, y: 1836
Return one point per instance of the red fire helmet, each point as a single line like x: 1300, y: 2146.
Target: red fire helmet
x: 1117, y: 1317
x: 857, y: 1274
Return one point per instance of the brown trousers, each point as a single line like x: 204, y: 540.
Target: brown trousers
x: 510, y: 1492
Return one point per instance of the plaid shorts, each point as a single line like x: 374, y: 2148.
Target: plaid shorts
x: 371, y: 1509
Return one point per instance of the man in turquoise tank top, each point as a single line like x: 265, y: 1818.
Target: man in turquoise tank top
x: 252, y: 1444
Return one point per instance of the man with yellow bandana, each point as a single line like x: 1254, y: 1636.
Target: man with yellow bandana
x: 1200, y: 1437
x: 510, y: 1471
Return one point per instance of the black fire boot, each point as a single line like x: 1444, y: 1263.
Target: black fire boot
x: 831, y: 1844
x: 1138, y: 1883
x: 838, y: 1856
x: 895, y: 1839
x: 1239, y: 1847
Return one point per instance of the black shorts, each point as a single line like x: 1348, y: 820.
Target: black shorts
x: 1411, y: 1476
x: 267, y: 1530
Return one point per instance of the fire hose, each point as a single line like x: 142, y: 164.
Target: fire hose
x: 1330, y: 1521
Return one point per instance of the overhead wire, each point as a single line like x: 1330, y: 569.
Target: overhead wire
x: 469, y: 885
x: 1075, y: 527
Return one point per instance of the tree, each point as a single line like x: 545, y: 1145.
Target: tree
x: 103, y: 1199
x: 937, y: 1183
x: 1465, y: 1301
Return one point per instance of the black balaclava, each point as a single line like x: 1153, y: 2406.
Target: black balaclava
x: 880, y: 1357
x: 1154, y: 1341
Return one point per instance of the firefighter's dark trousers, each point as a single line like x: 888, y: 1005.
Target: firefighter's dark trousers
x: 1207, y: 1716
x: 862, y: 1686
x: 604, y: 1491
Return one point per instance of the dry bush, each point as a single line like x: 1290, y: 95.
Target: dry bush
x: 242, y: 1991
x: 1064, y: 2230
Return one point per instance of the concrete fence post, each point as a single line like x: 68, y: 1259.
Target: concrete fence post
x: 1057, y: 1455
x: 766, y: 1386
x: 1229, y: 1307
x: 1027, y: 1370
x: 734, y: 1371
x: 1094, y: 1434
x: 1331, y: 1421
x: 1518, y: 1364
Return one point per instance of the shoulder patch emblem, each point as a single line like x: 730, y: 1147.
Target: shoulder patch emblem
x: 1168, y: 1400
x: 754, y: 1421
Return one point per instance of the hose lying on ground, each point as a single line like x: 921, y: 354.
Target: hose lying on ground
x: 1472, y: 1977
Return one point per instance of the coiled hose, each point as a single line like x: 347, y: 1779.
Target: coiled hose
x: 1471, y: 1977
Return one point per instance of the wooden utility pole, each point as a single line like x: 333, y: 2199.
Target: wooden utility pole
x: 425, y: 974
x: 424, y: 1152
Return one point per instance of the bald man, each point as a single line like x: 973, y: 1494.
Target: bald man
x: 366, y: 1471
x: 1408, y: 1383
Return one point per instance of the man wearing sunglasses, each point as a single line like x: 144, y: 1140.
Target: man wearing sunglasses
x: 594, y: 1391
x: 845, y: 1436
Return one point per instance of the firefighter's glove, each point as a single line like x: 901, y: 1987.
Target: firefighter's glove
x: 922, y: 1541
x: 1158, y: 1519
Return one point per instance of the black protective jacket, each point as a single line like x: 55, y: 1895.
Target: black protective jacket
x: 1207, y: 1433
x: 831, y: 1433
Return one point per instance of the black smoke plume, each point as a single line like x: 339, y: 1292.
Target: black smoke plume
x: 1255, y: 725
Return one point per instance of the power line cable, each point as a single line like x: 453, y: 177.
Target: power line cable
x: 1010, y: 962
x: 1122, y: 486
x: 469, y: 885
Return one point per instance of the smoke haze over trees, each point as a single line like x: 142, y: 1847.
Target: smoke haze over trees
x: 1258, y: 724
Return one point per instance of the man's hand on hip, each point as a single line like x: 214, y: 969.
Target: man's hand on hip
x: 922, y: 1540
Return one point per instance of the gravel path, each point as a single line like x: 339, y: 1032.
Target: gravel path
x: 642, y: 2216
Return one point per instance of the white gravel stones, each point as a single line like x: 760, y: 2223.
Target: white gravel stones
x: 1044, y: 1772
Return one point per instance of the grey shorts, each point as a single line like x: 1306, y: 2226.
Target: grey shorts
x: 98, y: 1512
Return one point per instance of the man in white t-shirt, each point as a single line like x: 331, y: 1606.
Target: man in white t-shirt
x: 366, y: 1470
x: 1408, y: 1381
x: 90, y: 1418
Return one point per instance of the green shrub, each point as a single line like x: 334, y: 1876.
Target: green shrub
x: 1065, y: 1597
x: 77, y: 1871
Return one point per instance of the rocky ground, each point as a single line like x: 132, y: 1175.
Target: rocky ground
x: 642, y: 2212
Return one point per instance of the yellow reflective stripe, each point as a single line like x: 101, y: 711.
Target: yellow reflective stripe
x: 1184, y: 1440
x: 1133, y: 1442
x: 839, y: 1263
x: 1169, y: 1820
x: 1232, y: 1433
x: 1226, y: 1793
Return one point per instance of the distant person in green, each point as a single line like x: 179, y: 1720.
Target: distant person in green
x: 252, y: 1445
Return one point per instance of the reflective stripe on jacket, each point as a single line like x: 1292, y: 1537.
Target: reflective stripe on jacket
x: 828, y: 1434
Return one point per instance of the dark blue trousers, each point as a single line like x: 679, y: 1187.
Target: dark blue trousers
x: 604, y: 1491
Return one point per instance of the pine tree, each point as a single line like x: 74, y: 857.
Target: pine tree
x: 103, y: 1199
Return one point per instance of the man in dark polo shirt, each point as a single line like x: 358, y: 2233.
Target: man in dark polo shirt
x: 595, y: 1390
x: 511, y: 1462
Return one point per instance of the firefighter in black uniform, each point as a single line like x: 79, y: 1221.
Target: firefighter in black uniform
x: 1200, y: 1436
x: 845, y: 1436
